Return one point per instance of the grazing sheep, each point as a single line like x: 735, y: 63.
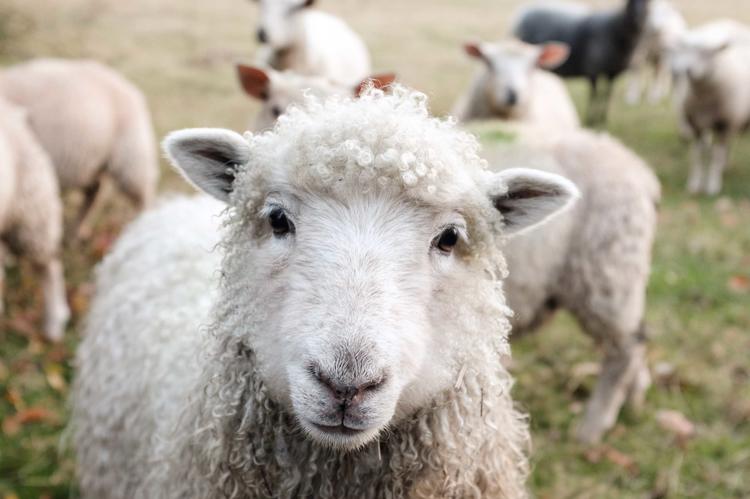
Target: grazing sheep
x: 31, y: 214
x: 601, y: 43
x: 661, y: 34
x: 279, y: 90
x: 511, y: 86
x: 593, y: 261
x: 350, y: 344
x: 296, y: 37
x: 713, y: 61
x: 91, y: 122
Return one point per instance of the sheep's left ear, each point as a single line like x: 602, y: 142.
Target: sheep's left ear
x: 552, y: 55
x: 527, y: 197
x: 208, y: 158
x: 379, y: 81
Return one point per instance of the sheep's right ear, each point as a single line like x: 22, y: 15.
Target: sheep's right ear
x: 553, y: 55
x: 527, y: 197
x: 254, y: 81
x: 208, y: 158
x: 473, y: 49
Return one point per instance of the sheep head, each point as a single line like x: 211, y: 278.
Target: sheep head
x: 510, y: 66
x: 363, y: 256
x: 278, y: 18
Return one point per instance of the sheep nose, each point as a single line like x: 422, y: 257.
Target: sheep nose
x: 512, y: 97
x: 262, y: 36
x: 349, y: 394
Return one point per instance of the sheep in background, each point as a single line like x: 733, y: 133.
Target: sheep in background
x: 713, y: 61
x: 350, y: 345
x: 31, y: 214
x: 92, y: 123
x: 279, y: 90
x: 512, y: 86
x: 601, y: 43
x: 661, y: 34
x: 594, y: 261
x: 294, y: 36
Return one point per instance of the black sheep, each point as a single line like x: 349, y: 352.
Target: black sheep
x: 601, y: 43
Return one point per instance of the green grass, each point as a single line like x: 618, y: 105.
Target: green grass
x: 181, y: 52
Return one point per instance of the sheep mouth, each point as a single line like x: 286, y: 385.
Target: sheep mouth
x: 340, y: 429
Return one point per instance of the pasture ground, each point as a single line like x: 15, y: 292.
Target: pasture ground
x: 181, y: 53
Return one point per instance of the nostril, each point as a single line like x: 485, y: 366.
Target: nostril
x: 346, y: 393
x: 512, y: 97
x: 262, y: 36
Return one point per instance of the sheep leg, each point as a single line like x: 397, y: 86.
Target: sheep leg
x: 593, y: 100
x: 662, y: 80
x: 620, y: 367
x: 91, y: 202
x: 636, y: 83
x: 56, y: 311
x: 719, y: 158
x: 698, y: 152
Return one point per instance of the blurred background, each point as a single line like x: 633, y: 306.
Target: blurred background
x: 182, y: 55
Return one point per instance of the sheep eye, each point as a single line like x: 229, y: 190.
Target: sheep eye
x: 280, y: 224
x: 447, y: 240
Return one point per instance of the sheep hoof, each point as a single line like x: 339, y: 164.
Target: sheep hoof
x: 589, y: 433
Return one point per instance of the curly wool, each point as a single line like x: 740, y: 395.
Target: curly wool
x: 232, y: 440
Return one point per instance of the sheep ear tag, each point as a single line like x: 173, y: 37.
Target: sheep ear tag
x: 208, y: 158
x: 527, y: 197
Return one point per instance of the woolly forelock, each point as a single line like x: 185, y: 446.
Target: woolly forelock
x: 234, y: 441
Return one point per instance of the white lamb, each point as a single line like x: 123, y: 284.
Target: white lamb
x: 31, y: 214
x: 594, y: 261
x: 92, y: 122
x: 513, y: 85
x: 650, y: 63
x: 277, y: 90
x: 342, y: 340
x: 714, y: 63
x: 296, y: 37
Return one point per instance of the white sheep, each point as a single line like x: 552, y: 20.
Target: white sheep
x: 344, y: 339
x: 31, y: 213
x: 713, y: 61
x: 297, y: 37
x: 277, y: 90
x: 513, y: 85
x: 92, y: 122
x: 594, y: 261
x: 661, y: 33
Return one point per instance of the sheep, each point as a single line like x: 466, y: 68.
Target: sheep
x: 297, y: 37
x: 511, y: 85
x: 277, y: 90
x: 92, y: 122
x: 713, y: 61
x: 593, y: 261
x: 661, y: 33
x: 343, y: 340
x: 601, y: 43
x: 31, y: 214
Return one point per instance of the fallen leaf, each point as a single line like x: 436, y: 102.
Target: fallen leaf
x: 676, y: 423
x: 739, y: 284
x: 614, y: 456
x: 54, y: 375
x: 12, y: 424
x: 10, y: 495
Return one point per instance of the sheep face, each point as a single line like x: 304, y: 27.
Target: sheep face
x: 694, y: 57
x: 277, y: 25
x: 509, y: 69
x: 359, y: 229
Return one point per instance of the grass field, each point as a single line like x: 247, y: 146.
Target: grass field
x: 181, y: 53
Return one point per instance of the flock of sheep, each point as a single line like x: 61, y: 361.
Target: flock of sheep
x: 331, y: 317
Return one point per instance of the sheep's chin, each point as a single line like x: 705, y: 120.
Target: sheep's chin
x: 344, y: 440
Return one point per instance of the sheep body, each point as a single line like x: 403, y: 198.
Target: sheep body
x: 176, y: 384
x: 30, y: 212
x: 313, y: 43
x: 91, y: 121
x: 538, y: 96
x: 601, y: 43
x: 713, y: 62
x: 594, y: 261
